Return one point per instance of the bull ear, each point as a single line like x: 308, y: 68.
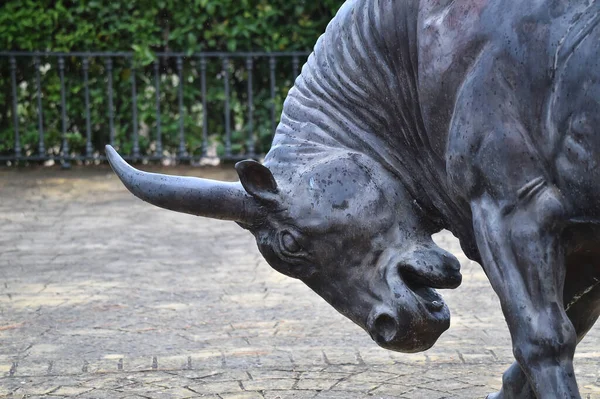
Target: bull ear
x: 257, y: 180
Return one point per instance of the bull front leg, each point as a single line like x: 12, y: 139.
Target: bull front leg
x: 582, y: 302
x: 498, y: 165
x: 583, y: 314
x: 523, y: 257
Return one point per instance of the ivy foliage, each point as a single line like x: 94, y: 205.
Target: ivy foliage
x: 146, y: 27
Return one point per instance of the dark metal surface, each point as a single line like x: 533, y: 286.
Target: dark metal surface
x: 200, y: 197
x: 134, y: 110
x: 63, y: 113
x: 227, y: 108
x: 250, y: 122
x: 158, y: 121
x: 13, y: 80
x: 204, y: 106
x: 88, y: 128
x: 181, y: 109
x: 111, y: 119
x: 272, y: 65
x: 111, y: 69
x: 479, y: 117
x: 38, y: 87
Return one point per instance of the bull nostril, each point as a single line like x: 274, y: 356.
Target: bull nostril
x: 385, y: 327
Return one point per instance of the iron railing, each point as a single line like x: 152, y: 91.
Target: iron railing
x: 223, y: 101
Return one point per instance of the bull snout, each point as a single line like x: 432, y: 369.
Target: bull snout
x: 410, y: 315
x: 403, y: 332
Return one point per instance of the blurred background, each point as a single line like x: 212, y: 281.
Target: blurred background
x: 161, y: 80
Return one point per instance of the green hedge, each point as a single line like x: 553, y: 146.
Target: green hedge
x: 146, y: 27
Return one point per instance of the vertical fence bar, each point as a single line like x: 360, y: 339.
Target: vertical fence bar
x: 38, y: 84
x: 295, y: 66
x: 181, y: 110
x: 136, y: 142
x: 13, y: 78
x: 88, y: 126
x: 157, y: 89
x: 272, y: 80
x: 111, y: 117
x: 63, y: 113
x: 251, y: 145
x: 204, y: 110
x: 227, y: 108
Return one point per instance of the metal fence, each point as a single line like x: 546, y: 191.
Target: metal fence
x: 66, y: 106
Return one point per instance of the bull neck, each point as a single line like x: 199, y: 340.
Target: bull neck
x: 359, y: 92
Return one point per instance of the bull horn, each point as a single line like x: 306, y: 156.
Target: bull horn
x: 200, y: 197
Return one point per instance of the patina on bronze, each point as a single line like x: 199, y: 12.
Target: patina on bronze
x: 479, y: 117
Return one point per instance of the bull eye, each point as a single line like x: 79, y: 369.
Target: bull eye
x: 289, y: 243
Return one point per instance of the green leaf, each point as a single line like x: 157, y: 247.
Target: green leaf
x: 231, y: 44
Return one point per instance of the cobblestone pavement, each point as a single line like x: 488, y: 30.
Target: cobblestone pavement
x: 103, y: 296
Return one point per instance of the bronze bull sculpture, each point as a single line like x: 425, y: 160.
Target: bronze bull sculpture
x: 476, y: 116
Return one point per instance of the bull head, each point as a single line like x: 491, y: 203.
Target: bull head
x: 342, y: 225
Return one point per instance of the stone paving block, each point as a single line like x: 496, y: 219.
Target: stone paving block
x: 477, y: 392
x: 36, y: 387
x: 276, y: 360
x: 314, y: 384
x: 354, y: 386
x: 310, y: 359
x: 408, y: 358
x: 172, y: 362
x: 392, y: 391
x: 207, y: 359
x: 297, y: 394
x: 374, y: 356
x: 341, y: 356
x: 270, y: 374
x: 413, y: 379
x: 242, y: 395
x: 335, y: 395
x: 113, y: 381
x: 269, y: 384
x: 71, y: 391
x: 424, y: 393
x: 225, y: 374
x: 448, y: 385
x: 26, y: 367
x: 104, y: 394
x: 217, y: 387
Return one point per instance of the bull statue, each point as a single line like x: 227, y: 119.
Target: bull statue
x: 475, y: 116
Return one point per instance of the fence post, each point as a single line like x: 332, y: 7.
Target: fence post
x: 13, y: 78
x: 295, y: 66
x: 41, y: 147
x: 88, y: 127
x: 65, y: 143
x: 204, y: 106
x: 251, y: 145
x: 136, y: 143
x: 227, y: 108
x: 272, y: 80
x: 181, y: 152
x: 111, y: 118
x: 159, y: 149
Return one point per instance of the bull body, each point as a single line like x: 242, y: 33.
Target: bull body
x: 477, y: 116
